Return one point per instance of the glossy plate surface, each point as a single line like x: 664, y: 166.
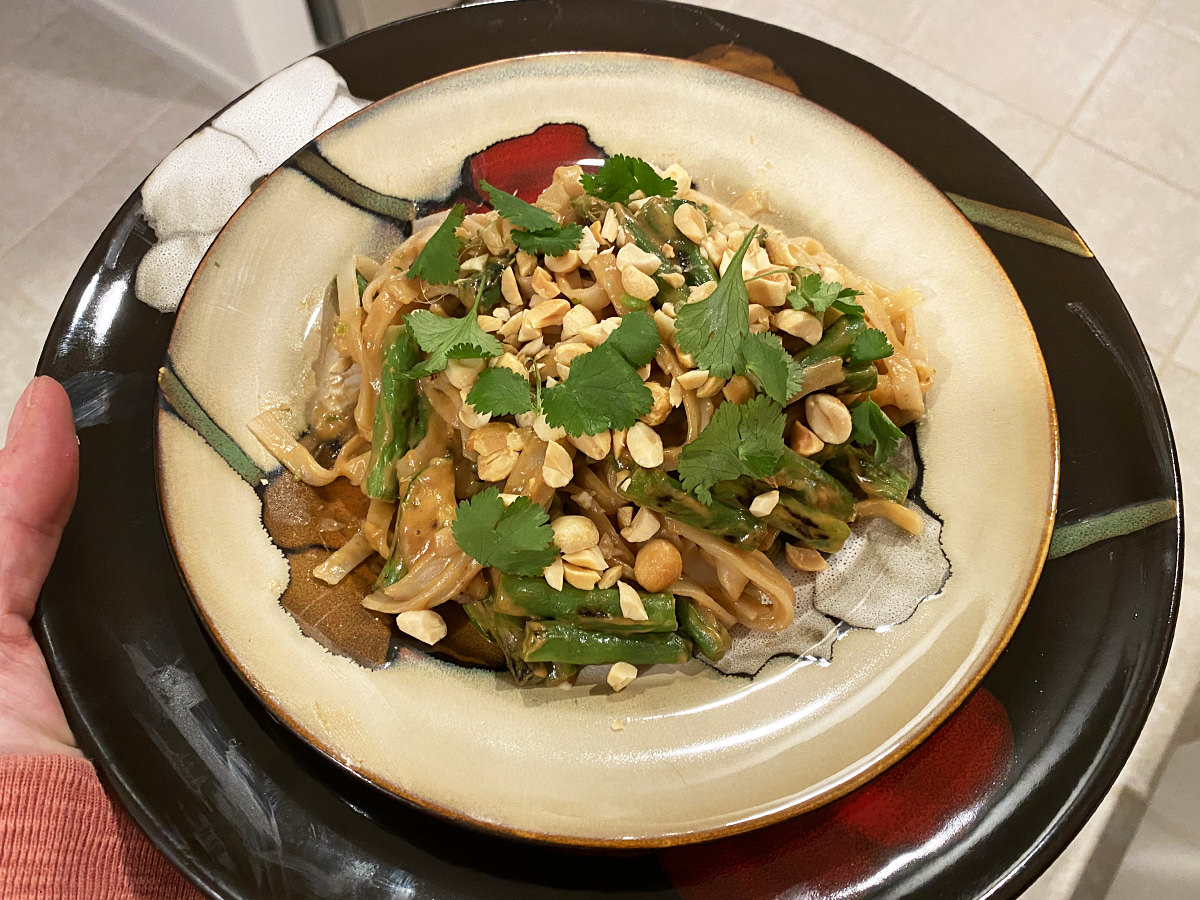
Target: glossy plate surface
x: 980, y: 807
x: 697, y: 754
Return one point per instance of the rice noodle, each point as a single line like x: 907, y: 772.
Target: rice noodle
x: 344, y: 560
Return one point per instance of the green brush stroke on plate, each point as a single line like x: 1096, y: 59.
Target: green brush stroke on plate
x: 181, y: 400
x: 1077, y: 535
x: 1021, y: 224
x: 338, y: 183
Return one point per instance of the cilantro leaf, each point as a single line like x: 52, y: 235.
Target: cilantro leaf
x: 501, y: 392
x: 516, y: 539
x: 602, y: 391
x: 551, y: 243
x: 542, y: 232
x: 437, y: 262
x: 871, y: 425
x: 818, y: 294
x: 522, y: 214
x: 712, y: 329
x: 445, y: 339
x: 622, y: 176
x: 636, y: 338
x: 777, y: 372
x: 739, y: 440
x: 869, y: 346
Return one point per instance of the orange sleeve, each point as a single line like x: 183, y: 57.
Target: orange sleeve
x: 63, y: 838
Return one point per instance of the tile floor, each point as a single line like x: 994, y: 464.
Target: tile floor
x: 1096, y: 99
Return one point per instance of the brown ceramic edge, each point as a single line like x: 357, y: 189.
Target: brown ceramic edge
x: 682, y: 838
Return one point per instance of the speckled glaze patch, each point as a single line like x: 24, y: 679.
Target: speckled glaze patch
x: 752, y: 750
x: 192, y: 193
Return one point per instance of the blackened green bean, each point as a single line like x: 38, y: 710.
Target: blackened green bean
x: 658, y: 217
x: 561, y: 642
x: 667, y: 266
x: 509, y: 633
x: 813, y: 485
x: 857, y: 469
x: 655, y: 489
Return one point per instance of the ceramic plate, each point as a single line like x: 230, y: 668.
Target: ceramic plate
x: 697, y: 753
x: 979, y: 808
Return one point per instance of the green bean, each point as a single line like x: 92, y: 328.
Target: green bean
x: 857, y: 469
x: 589, y: 208
x: 655, y: 489
x: 509, y: 633
x: 808, y: 524
x: 813, y: 485
x: 393, y: 570
x: 478, y: 617
x: 666, y: 292
x: 696, y: 267
x: 698, y: 623
x: 561, y: 673
x: 562, y: 642
x: 836, y: 341
x: 858, y: 379
x: 393, y: 414
x: 599, y: 608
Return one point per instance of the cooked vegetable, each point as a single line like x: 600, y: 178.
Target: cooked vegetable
x: 562, y: 642
x: 710, y: 636
x: 594, y: 609
x: 393, y: 414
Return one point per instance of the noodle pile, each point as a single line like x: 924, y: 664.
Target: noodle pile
x: 625, y: 533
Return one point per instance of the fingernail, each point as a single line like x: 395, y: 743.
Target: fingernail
x: 21, y: 410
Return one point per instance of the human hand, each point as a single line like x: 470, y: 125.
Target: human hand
x: 39, y: 473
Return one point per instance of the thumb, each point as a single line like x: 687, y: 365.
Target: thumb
x: 39, y: 473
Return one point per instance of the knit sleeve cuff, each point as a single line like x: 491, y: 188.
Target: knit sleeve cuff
x: 62, y: 836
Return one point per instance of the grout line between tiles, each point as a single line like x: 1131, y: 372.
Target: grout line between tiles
x: 1004, y: 101
x: 1194, y: 317
x: 1103, y: 71
x: 1134, y: 164
x: 133, y: 139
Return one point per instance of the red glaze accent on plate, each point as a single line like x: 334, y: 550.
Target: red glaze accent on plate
x: 525, y: 165
x: 838, y: 850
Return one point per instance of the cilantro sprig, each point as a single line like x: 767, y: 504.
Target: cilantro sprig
x: 501, y: 392
x: 744, y: 439
x: 869, y: 346
x: 816, y: 295
x: 542, y: 232
x: 777, y: 372
x: 437, y: 262
x: 716, y: 332
x: 603, y: 390
x: 516, y: 539
x: 712, y: 329
x: 445, y: 339
x: 871, y: 425
x: 622, y: 176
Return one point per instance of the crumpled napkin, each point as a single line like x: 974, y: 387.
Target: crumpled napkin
x: 192, y: 193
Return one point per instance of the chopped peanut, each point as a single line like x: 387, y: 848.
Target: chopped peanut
x: 828, y: 418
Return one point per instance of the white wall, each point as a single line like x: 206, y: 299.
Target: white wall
x: 232, y: 44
